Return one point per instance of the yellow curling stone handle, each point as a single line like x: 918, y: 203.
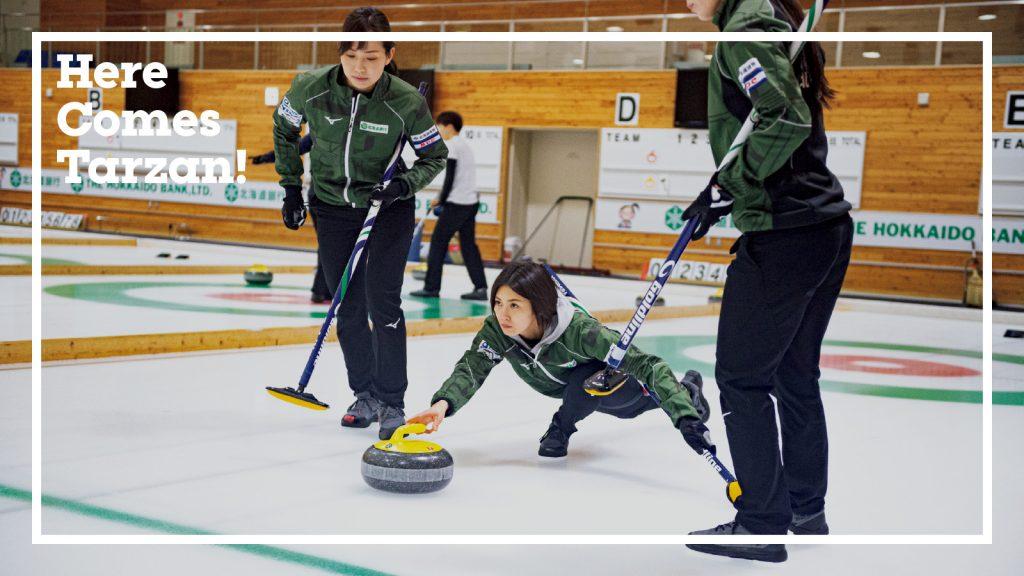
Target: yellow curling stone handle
x: 399, y: 443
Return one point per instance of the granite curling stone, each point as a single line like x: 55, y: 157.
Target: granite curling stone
x: 258, y: 275
x: 419, y: 272
x: 716, y: 298
x: 407, y: 466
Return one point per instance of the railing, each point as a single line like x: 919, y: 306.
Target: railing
x: 558, y: 205
x: 1005, y: 19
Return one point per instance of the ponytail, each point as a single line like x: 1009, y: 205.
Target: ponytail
x: 809, y: 66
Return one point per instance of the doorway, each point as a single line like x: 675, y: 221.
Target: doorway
x: 545, y: 165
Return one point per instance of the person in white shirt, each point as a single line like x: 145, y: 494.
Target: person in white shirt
x: 458, y: 203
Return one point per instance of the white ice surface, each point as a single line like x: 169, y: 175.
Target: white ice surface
x: 193, y: 440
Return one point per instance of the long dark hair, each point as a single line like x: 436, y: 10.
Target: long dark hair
x: 809, y: 66
x: 531, y: 281
x: 367, y: 19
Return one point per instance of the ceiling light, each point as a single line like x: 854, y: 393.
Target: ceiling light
x: 987, y: 17
x: 872, y: 55
x: 614, y: 28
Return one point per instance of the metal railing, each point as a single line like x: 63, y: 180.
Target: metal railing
x: 559, y: 205
x: 1008, y: 48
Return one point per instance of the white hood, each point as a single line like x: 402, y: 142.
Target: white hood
x: 564, y: 312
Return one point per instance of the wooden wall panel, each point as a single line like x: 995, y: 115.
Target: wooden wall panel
x: 555, y: 99
x: 919, y: 159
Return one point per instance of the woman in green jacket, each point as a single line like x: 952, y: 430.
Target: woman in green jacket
x: 554, y: 347
x: 358, y: 111
x: 784, y: 282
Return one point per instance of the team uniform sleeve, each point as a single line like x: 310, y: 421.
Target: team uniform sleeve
x: 595, y: 341
x: 763, y: 71
x: 288, y: 119
x: 430, y: 149
x: 486, y: 352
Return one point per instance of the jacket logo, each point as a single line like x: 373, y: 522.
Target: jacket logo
x: 491, y: 354
x: 424, y: 139
x: 331, y: 121
x: 751, y: 75
x: 371, y: 127
x: 290, y: 114
x: 569, y: 364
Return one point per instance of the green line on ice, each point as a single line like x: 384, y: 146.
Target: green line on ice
x: 110, y: 515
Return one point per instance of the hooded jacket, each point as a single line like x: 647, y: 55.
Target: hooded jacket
x: 779, y: 179
x: 355, y: 136
x: 576, y: 338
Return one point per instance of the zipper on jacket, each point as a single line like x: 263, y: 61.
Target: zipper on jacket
x: 541, y: 366
x: 348, y: 142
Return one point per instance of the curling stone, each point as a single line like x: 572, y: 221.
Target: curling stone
x: 420, y: 272
x: 407, y: 466
x: 717, y: 296
x: 258, y: 275
x: 659, y: 301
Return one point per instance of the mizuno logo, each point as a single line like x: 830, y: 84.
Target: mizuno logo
x: 333, y: 120
x: 394, y: 324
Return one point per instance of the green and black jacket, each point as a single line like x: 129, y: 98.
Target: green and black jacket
x: 355, y: 136
x: 779, y: 179
x: 575, y: 339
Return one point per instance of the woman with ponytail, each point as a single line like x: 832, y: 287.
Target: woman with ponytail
x: 783, y: 284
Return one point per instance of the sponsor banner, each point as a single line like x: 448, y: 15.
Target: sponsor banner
x: 910, y: 230
x: 487, y: 212
x: 252, y: 194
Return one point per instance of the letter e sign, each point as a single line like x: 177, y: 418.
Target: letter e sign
x: 627, y: 109
x: 1014, y: 110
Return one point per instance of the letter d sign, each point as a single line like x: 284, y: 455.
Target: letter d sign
x: 627, y: 109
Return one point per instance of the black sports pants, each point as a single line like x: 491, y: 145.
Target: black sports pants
x: 455, y: 218
x: 375, y: 360
x: 779, y: 296
x: 629, y: 401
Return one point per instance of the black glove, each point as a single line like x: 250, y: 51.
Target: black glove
x: 293, y: 212
x: 388, y: 194
x: 697, y: 435
x: 713, y: 203
x: 263, y: 158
